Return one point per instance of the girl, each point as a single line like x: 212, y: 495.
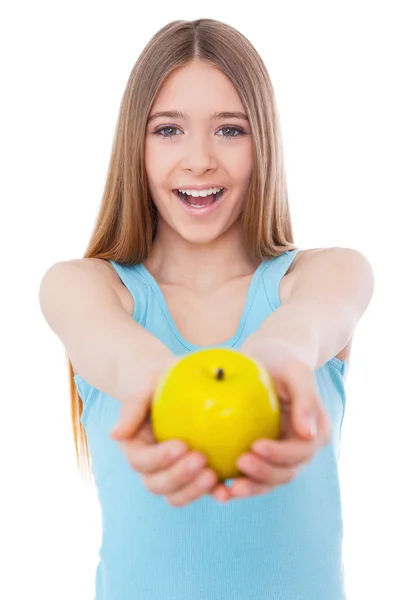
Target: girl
x: 193, y: 248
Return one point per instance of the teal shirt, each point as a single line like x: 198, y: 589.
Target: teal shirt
x: 285, y: 545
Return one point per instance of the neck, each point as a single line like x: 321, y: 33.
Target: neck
x: 174, y: 260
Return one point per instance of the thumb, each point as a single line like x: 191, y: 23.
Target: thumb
x: 132, y: 416
x: 134, y: 411
x: 135, y: 408
x: 305, y: 411
x: 296, y: 387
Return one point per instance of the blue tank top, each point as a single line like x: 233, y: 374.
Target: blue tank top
x: 285, y: 545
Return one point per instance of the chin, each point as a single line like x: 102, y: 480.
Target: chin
x: 198, y: 238
x: 200, y: 233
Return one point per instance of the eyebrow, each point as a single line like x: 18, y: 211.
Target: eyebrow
x: 177, y: 114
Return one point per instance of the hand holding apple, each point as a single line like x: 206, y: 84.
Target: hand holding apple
x: 169, y: 469
x: 305, y: 425
x: 265, y: 463
x: 218, y: 401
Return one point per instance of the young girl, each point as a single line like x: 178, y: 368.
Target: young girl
x: 193, y: 248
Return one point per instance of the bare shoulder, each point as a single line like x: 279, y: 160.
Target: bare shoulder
x: 350, y: 256
x: 303, y: 257
x: 294, y: 270
x: 301, y: 260
x: 106, y: 270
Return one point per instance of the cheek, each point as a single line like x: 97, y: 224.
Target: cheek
x: 157, y: 162
x: 240, y: 165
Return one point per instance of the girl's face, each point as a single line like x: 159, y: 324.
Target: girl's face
x: 197, y: 147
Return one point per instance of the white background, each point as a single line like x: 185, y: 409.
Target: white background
x: 64, y: 69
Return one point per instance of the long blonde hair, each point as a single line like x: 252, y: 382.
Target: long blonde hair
x: 127, y: 219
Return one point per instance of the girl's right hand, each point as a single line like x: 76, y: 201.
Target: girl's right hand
x: 169, y: 468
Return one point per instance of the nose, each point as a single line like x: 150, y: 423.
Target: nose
x: 199, y: 155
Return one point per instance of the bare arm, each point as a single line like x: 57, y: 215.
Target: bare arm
x: 106, y: 346
x: 331, y: 291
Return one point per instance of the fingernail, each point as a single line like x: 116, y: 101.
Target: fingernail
x: 195, y: 463
x: 243, y: 492
x: 175, y: 451
x: 310, y: 426
x: 261, y: 448
x: 223, y: 498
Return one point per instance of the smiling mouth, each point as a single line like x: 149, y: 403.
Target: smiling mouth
x: 199, y: 201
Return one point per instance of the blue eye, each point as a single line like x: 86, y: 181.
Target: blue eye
x: 158, y: 131
x: 238, y: 131
x: 162, y: 131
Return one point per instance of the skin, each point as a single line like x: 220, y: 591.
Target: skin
x: 199, y: 150
x: 196, y: 252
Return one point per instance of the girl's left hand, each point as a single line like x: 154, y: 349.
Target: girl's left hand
x: 305, y: 428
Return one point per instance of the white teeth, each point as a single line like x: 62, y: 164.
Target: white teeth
x: 203, y: 193
x: 190, y: 194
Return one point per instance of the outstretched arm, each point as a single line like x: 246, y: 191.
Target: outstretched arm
x: 331, y: 290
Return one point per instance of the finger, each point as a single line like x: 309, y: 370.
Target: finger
x: 300, y: 390
x: 243, y: 487
x: 145, y: 434
x: 263, y: 472
x: 147, y: 457
x: 221, y: 493
x: 305, y: 412
x: 286, y: 453
x: 194, y: 490
x: 133, y: 414
x: 136, y: 408
x: 294, y: 452
x: 179, y: 475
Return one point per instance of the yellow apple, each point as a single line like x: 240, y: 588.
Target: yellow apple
x: 218, y: 401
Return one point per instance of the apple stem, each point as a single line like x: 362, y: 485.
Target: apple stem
x: 219, y: 374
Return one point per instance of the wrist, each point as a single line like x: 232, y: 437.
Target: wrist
x: 275, y: 350
x: 161, y: 362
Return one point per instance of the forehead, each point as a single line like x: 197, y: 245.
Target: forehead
x: 197, y: 88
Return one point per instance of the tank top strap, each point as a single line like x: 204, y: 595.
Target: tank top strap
x: 274, y: 273
x: 136, y: 281
x: 136, y: 285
